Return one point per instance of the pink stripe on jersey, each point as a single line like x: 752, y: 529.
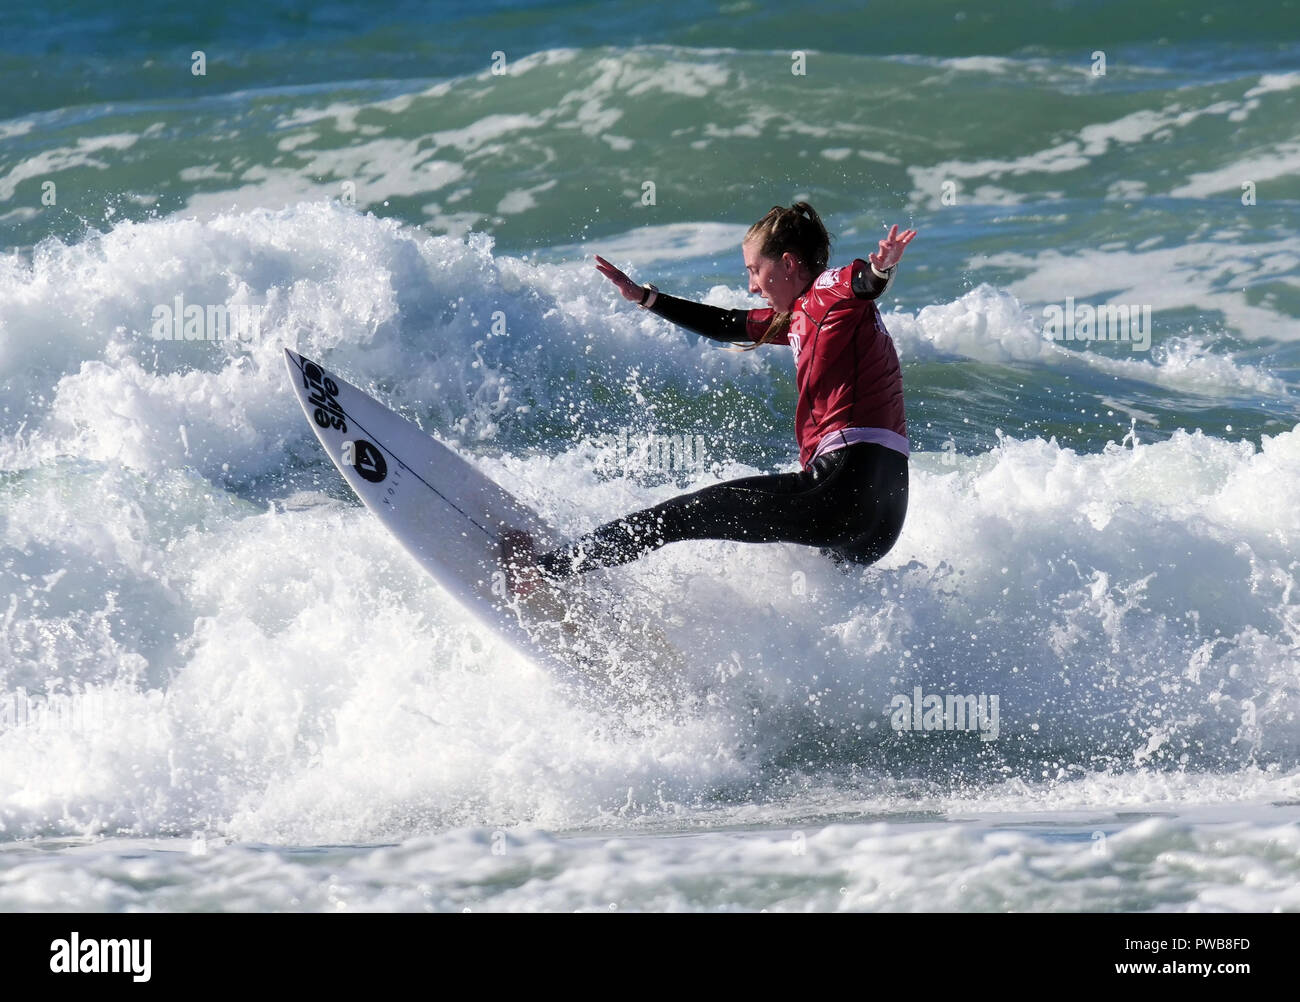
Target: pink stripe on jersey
x: 847, y: 436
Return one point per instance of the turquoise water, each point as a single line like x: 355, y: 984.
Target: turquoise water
x: 1101, y: 532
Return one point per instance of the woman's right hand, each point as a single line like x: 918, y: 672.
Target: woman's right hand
x: 631, y: 291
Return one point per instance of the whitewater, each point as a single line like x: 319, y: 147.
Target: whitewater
x: 224, y: 687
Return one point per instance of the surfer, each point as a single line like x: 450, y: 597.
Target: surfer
x: 850, y: 498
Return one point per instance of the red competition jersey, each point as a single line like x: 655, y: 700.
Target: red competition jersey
x: 846, y: 369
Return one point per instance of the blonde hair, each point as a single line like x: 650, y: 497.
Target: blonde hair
x: 799, y: 230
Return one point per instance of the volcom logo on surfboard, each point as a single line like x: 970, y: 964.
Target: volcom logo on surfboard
x: 367, y: 459
x: 324, y: 393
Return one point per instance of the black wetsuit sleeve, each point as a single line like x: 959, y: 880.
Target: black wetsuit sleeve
x: 710, y: 321
x: 868, y: 285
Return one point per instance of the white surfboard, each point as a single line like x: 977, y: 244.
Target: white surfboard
x: 449, y: 516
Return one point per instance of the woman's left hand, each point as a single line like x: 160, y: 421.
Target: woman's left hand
x: 891, y: 248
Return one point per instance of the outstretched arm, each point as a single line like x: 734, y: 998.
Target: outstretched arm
x: 710, y: 321
x: 873, y: 283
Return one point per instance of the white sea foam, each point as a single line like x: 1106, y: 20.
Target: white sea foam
x: 280, y: 671
x: 1089, y: 861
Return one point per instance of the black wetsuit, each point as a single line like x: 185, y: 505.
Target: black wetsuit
x: 850, y: 501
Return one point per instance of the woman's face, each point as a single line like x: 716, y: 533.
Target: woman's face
x: 778, y: 280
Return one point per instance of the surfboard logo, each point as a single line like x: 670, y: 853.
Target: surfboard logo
x: 369, y: 461
x: 324, y: 396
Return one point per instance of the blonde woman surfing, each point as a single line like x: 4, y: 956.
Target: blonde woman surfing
x: 850, y: 498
